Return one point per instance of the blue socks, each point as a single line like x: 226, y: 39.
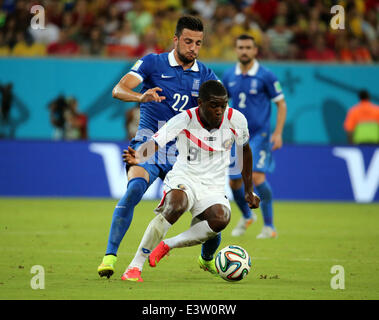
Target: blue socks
x: 239, y: 198
x: 123, y: 213
x: 265, y: 193
x: 209, y: 247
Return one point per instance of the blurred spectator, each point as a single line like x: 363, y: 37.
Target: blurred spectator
x: 127, y: 36
x: 113, y: 20
x: 264, y: 12
x: 57, y: 109
x: 362, y: 121
x: 132, y: 117
x: 64, y: 46
x: 353, y: 51
x: 95, y: 45
x: 283, y: 29
x: 318, y: 52
x: 54, y: 11
x: 6, y: 104
x: 206, y: 8
x: 123, y: 5
x: 148, y: 44
x: 72, y: 30
x: 75, y: 122
x: 139, y: 18
x: 83, y: 18
x: 164, y: 27
x: 26, y: 47
x: 370, y: 26
x: 217, y: 45
x: 247, y: 26
x: 4, y: 48
x: 280, y: 37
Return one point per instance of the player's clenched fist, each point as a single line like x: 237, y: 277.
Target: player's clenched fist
x: 152, y: 95
x: 252, y: 199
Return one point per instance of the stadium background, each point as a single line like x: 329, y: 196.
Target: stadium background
x: 88, y: 45
x: 57, y: 195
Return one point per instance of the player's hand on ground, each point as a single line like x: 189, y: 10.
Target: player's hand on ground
x: 252, y: 199
x: 130, y: 156
x: 276, y: 140
x: 152, y: 95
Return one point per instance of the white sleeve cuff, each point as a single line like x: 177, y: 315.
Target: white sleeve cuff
x: 278, y: 98
x: 136, y: 75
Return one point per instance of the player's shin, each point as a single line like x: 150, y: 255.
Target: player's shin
x: 123, y: 213
x: 265, y: 193
x: 197, y: 234
x: 155, y: 232
x: 239, y: 198
x: 209, y: 247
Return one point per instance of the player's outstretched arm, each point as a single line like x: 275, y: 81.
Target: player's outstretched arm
x: 124, y: 91
x: 251, y: 198
x: 144, y: 152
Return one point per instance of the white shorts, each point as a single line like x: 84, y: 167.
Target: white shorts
x: 200, y: 197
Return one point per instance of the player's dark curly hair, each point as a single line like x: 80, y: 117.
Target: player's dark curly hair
x: 211, y: 88
x: 188, y: 22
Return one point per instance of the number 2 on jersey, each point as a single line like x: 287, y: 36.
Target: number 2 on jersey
x: 179, y: 98
x: 242, y: 103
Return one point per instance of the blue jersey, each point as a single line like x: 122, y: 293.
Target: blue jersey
x: 252, y: 93
x: 180, y: 87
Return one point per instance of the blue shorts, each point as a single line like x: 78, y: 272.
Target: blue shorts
x: 158, y: 165
x: 262, y: 155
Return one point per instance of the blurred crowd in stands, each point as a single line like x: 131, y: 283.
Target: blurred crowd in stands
x: 284, y: 30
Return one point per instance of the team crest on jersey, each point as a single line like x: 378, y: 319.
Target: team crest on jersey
x: 196, y: 84
x: 254, y: 86
x: 227, y: 144
x: 182, y: 187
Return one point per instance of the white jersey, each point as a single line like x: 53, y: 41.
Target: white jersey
x: 204, y: 155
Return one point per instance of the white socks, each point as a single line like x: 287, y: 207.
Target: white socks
x: 155, y: 232
x: 197, y: 234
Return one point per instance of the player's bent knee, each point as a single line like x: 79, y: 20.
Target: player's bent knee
x: 175, y: 205
x: 218, y: 217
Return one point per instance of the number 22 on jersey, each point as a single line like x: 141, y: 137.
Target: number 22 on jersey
x: 180, y: 98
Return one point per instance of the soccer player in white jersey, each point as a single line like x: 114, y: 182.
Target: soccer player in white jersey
x: 204, y: 136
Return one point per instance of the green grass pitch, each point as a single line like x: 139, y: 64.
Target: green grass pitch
x: 67, y: 237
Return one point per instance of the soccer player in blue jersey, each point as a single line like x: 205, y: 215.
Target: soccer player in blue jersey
x: 171, y: 83
x: 252, y: 88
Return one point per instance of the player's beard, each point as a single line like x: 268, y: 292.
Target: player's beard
x: 245, y: 60
x: 183, y: 58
